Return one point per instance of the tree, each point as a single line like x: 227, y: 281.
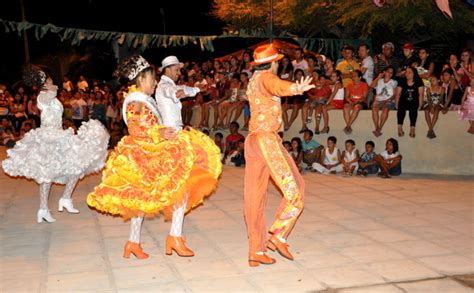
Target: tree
x: 419, y: 19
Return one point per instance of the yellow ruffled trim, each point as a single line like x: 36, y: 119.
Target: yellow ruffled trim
x: 148, y: 176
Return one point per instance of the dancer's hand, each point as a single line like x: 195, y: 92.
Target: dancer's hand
x: 168, y: 132
x: 303, y: 85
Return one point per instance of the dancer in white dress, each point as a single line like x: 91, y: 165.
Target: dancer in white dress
x: 50, y: 154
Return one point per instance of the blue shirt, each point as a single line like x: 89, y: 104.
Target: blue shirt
x: 367, y: 157
x: 310, y: 146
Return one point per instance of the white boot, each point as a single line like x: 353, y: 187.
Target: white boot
x: 44, y: 214
x: 67, y: 203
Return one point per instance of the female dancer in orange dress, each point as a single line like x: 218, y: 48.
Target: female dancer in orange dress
x: 154, y: 167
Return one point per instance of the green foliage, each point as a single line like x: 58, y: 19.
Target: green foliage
x: 350, y: 18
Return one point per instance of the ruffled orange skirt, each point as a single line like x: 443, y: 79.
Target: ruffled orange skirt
x: 148, y: 175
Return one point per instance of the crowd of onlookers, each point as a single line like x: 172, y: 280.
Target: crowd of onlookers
x: 408, y: 82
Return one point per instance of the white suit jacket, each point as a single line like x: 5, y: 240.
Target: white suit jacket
x: 169, y: 106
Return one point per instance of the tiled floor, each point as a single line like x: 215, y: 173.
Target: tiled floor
x: 355, y: 235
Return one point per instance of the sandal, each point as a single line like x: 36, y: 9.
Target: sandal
x: 316, y: 131
x: 325, y: 130
x: 401, y: 133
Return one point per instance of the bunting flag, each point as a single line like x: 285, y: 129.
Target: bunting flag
x: 140, y: 41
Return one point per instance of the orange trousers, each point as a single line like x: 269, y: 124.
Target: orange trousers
x: 266, y: 157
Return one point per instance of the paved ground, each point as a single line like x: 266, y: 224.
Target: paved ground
x: 410, y: 234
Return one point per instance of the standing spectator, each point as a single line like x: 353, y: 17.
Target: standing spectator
x: 294, y: 102
x: 356, y: 99
x: 467, y: 67
x: 330, y: 160
x: 112, y: 111
x: 367, y: 163
x: 33, y: 111
x: 285, y: 69
x: 17, y: 112
x: 409, y: 61
x: 425, y: 65
x: 348, y: 65
x: 467, y: 107
x: 386, y: 58
x: 385, y: 87
x: 67, y: 84
x: 390, y: 160
x: 350, y: 158
x: 79, y: 109
x: 367, y: 63
x: 409, y: 98
x: 300, y: 62
x: 336, y: 99
x: 435, y: 95
x: 82, y: 84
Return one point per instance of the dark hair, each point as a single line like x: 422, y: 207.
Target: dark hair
x: 206, y: 132
x: 244, y: 73
x: 242, y: 139
x: 447, y: 70
x: 299, y: 49
x: 351, y: 141
x: 218, y: 134
x: 289, y: 68
x: 416, y: 76
x: 300, y: 144
x: 286, y: 142
x: 339, y: 75
x: 389, y: 67
x: 333, y: 139
x: 348, y: 47
x: 235, y: 123
x: 236, y: 76
x: 394, y: 143
x: 360, y: 75
x: 370, y: 143
x: 309, y: 132
x: 364, y: 45
x: 298, y: 70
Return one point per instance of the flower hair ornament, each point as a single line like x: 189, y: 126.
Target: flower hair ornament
x: 131, y: 67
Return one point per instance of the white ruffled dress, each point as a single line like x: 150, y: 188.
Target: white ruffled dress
x: 50, y: 154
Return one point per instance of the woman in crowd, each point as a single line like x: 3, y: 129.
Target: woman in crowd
x: 18, y: 112
x: 296, y: 152
x: 33, y: 111
x: 385, y: 88
x: 50, y: 154
x: 356, y: 99
x: 409, y: 98
x: 467, y: 67
x: 336, y: 99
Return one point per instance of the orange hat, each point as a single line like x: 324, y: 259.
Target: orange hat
x: 265, y: 54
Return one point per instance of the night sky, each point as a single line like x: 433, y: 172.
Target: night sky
x: 139, y: 16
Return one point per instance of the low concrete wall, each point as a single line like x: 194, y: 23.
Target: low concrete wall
x: 450, y: 153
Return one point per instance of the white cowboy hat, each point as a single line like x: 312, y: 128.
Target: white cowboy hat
x: 170, y: 60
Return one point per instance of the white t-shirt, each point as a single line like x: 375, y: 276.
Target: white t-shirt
x: 385, y: 91
x: 303, y: 65
x: 388, y: 157
x: 368, y: 63
x: 77, y: 109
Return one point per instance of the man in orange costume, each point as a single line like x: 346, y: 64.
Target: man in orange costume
x: 266, y: 157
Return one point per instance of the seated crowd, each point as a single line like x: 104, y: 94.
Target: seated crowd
x: 380, y: 83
